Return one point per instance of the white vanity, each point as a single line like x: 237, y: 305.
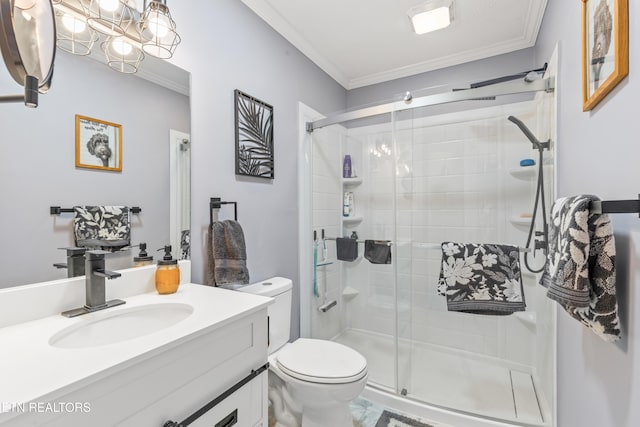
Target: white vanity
x: 198, y: 355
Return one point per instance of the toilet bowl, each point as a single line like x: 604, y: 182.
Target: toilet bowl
x: 311, y: 381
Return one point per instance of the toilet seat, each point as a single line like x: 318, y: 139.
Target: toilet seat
x: 321, y: 361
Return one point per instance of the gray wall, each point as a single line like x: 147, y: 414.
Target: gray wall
x: 38, y: 164
x: 475, y: 71
x: 598, y: 382
x: 226, y: 46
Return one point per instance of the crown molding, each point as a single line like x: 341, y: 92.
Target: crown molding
x: 535, y: 15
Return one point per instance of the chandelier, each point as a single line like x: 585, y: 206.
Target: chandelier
x: 125, y: 33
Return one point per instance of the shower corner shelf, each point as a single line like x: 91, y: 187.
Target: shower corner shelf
x: 350, y: 293
x: 351, y: 219
x: 351, y: 182
x: 520, y: 221
x: 526, y: 317
x: 524, y: 172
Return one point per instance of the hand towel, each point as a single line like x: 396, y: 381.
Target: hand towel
x: 347, y: 249
x: 102, y: 227
x: 227, y: 254
x: 481, y: 278
x: 580, y: 270
x: 377, y: 251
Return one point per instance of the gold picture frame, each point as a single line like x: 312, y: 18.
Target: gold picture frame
x: 98, y: 144
x: 605, y: 48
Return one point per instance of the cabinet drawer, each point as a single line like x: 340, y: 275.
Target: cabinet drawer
x: 241, y: 409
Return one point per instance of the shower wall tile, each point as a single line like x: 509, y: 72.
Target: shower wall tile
x: 451, y: 183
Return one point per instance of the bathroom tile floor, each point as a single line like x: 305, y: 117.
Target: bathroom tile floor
x: 369, y: 414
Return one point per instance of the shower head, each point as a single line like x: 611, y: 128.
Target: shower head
x: 538, y: 145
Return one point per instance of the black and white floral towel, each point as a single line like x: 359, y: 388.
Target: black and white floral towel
x: 580, y: 270
x: 102, y: 227
x: 481, y: 278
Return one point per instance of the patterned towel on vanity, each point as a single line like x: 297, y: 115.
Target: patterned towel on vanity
x: 102, y: 227
x: 580, y: 270
x: 481, y: 278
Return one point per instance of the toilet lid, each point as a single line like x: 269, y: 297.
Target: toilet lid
x: 321, y: 361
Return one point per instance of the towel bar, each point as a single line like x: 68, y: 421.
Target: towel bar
x: 359, y: 241
x: 216, y: 203
x: 616, y: 206
x: 57, y: 210
x: 438, y: 246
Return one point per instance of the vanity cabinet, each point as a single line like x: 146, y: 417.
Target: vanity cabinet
x: 174, y: 382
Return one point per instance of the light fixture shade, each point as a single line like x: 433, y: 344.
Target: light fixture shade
x: 158, y: 30
x: 110, y: 17
x: 74, y: 35
x: 122, y: 55
x: 431, y: 16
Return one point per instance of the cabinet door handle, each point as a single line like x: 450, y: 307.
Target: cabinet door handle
x: 232, y: 418
x: 229, y: 420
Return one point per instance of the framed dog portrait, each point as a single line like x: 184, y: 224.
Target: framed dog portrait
x: 98, y: 144
x: 605, y: 48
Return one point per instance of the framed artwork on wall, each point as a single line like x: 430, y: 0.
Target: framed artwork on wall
x: 254, y: 137
x: 605, y: 48
x: 98, y: 144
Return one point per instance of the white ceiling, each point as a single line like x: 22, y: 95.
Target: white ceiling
x: 363, y: 42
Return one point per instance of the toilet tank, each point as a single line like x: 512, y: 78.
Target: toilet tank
x: 278, y: 288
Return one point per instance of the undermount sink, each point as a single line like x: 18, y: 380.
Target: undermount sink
x: 121, y: 325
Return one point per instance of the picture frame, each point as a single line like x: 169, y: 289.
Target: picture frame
x: 98, y: 144
x: 254, y: 137
x: 605, y: 48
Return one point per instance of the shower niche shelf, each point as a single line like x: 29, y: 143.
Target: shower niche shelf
x: 519, y: 221
x: 349, y: 293
x: 351, y: 182
x: 524, y: 172
x: 347, y: 220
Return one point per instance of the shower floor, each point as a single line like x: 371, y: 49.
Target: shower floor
x: 448, y: 378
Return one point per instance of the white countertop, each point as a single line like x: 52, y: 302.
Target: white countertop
x: 32, y: 370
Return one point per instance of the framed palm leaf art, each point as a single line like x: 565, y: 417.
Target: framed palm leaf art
x: 254, y: 137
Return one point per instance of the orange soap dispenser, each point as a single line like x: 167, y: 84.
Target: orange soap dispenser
x: 167, y: 273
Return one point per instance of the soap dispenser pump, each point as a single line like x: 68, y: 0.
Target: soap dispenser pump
x: 167, y: 273
x: 143, y: 257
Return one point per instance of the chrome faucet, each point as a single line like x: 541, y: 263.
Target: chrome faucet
x: 95, y: 285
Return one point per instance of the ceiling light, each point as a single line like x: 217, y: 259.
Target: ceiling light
x: 158, y: 30
x: 110, y: 17
x: 431, y: 16
x: 127, y: 32
x: 73, y: 33
x: 122, y: 55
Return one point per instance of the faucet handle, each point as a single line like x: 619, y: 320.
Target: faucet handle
x: 106, y: 273
x: 74, y: 251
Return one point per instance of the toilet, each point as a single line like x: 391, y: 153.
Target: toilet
x: 311, y: 381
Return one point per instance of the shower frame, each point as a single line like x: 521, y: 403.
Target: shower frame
x: 310, y: 120
x: 409, y: 103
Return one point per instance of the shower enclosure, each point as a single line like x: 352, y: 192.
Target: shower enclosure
x: 422, y: 175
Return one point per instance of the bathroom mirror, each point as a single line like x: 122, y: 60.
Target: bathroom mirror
x: 27, y: 40
x: 39, y: 171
